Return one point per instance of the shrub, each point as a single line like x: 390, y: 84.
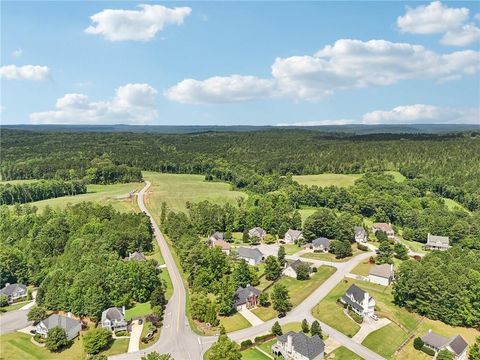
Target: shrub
x: 56, y: 339
x: 246, y: 344
x: 263, y: 338
x: 362, y: 247
x: 418, y: 343
x: 3, y: 300
x: 96, y: 340
x: 314, y: 269
x: 428, y: 351
x: 39, y: 338
x: 121, y: 333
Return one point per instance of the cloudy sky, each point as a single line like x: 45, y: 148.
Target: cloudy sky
x: 252, y: 63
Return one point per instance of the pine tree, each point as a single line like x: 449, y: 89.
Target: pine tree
x: 305, y: 327
x: 277, y: 329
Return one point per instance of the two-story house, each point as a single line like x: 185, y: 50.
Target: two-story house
x: 298, y: 346
x: 114, y: 319
x: 359, y: 301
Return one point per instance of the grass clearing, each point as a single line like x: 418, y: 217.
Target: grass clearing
x: 362, y: 268
x: 329, y: 256
x: 397, y: 176
x: 305, y: 212
x: 138, y: 310
x: 323, y: 180
x: 385, y: 341
x: 103, y: 194
x: 342, y: 353
x: 253, y: 354
x: 291, y: 249
x: 453, y: 205
x: 119, y: 346
x: 234, y: 322
x: 177, y: 189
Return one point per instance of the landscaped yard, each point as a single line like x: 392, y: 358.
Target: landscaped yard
x: 119, y: 346
x: 297, y: 289
x: 155, y: 337
x: 138, y: 310
x: 329, y: 256
x: 104, y: 194
x: 14, y: 306
x: 291, y: 248
x: 234, y: 322
x: 362, y: 268
x: 253, y: 354
x: 323, y: 180
x: 342, y: 353
x: 177, y: 189
x: 387, y: 340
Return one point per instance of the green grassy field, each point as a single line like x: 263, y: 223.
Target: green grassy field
x: 329, y: 256
x: 362, y: 268
x: 396, y: 175
x: 177, y: 189
x: 297, y: 289
x: 253, y: 354
x: 234, y: 322
x: 453, y: 205
x: 342, y: 353
x: 340, y: 180
x: 13, y: 182
x: 138, y: 310
x: 103, y: 194
x: 305, y: 212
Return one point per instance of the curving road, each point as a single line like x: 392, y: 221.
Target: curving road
x: 178, y: 339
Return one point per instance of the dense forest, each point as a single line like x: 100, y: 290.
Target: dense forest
x: 448, y: 164
x: 76, y: 256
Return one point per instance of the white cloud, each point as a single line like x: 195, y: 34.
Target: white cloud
x: 140, y: 25
x: 132, y: 104
x: 462, y: 36
x: 434, y: 18
x: 347, y: 64
x: 219, y: 89
x: 17, y: 52
x: 437, y: 18
x: 420, y: 113
x: 25, y: 72
x: 319, y: 122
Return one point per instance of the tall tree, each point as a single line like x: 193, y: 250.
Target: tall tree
x: 280, y: 299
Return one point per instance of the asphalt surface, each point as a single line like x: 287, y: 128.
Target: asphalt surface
x: 13, y: 320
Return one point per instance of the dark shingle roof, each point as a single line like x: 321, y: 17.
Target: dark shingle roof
x: 384, y: 271
x: 113, y: 313
x: 296, y: 264
x: 359, y: 230
x: 64, y: 322
x: 11, y: 288
x: 241, y: 295
x: 357, y: 293
x: 295, y: 234
x: 310, y: 347
x: 136, y: 256
x: 321, y: 241
x: 217, y: 235
x: 353, y: 304
x: 251, y: 253
x: 458, y: 344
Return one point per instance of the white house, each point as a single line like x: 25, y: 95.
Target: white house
x: 291, y: 270
x: 298, y: 346
x: 292, y: 236
x: 114, y: 319
x: 386, y: 228
x: 360, y: 301
x: 360, y: 234
x: 71, y: 326
x: 381, y: 274
x: 455, y: 344
x: 252, y: 256
x: 14, y: 292
x: 434, y: 242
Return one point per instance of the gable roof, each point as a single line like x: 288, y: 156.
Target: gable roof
x: 359, y: 230
x: 257, y: 230
x: 458, y: 344
x: 250, y: 253
x: 297, y: 263
x: 222, y: 244
x: 9, y: 289
x: 136, y: 256
x: 242, y: 294
x: 440, y: 241
x: 217, y: 235
x: 384, y: 271
x: 310, y: 347
x: 113, y: 314
x: 357, y: 293
x: 383, y: 227
x: 321, y: 241
x: 294, y: 234
x: 65, y: 322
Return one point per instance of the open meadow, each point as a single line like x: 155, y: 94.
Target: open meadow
x: 323, y: 180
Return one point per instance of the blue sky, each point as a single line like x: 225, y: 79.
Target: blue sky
x: 255, y: 63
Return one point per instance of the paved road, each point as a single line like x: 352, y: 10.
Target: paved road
x: 182, y: 343
x: 13, y: 320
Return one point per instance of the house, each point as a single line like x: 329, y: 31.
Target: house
x: 360, y: 301
x: 434, y: 242
x: 215, y: 237
x: 245, y: 298
x: 113, y: 319
x: 455, y: 344
x: 257, y: 232
x: 321, y: 244
x: 297, y: 345
x: 136, y: 256
x: 222, y: 244
x: 292, y: 236
x: 14, y: 292
x: 291, y: 270
x: 381, y: 274
x: 252, y: 256
x: 386, y: 228
x: 71, y: 326
x: 360, y: 234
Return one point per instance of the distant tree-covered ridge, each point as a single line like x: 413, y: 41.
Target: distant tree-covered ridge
x: 76, y: 256
x: 256, y: 161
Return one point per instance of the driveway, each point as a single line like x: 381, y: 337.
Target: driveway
x: 135, y: 335
x: 13, y: 320
x: 368, y: 326
x: 251, y: 317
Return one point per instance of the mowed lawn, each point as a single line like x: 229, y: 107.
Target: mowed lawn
x: 329, y: 256
x: 115, y: 194
x: 298, y: 290
x: 177, y: 189
x: 323, y: 180
x: 234, y: 322
x: 342, y: 353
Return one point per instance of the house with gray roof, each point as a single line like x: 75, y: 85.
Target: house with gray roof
x: 434, y: 242
x: 14, y: 292
x: 245, y: 297
x: 252, y: 256
x: 292, y: 269
x: 359, y: 301
x: 386, y: 228
x: 381, y: 274
x: 217, y: 235
x: 297, y: 345
x: 113, y: 319
x: 360, y: 234
x: 292, y: 236
x: 136, y: 256
x: 321, y: 244
x: 455, y: 344
x: 257, y: 232
x: 71, y: 326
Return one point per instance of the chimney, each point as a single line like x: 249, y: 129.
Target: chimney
x: 289, y: 341
x: 123, y: 310
x: 69, y: 314
x: 7, y: 284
